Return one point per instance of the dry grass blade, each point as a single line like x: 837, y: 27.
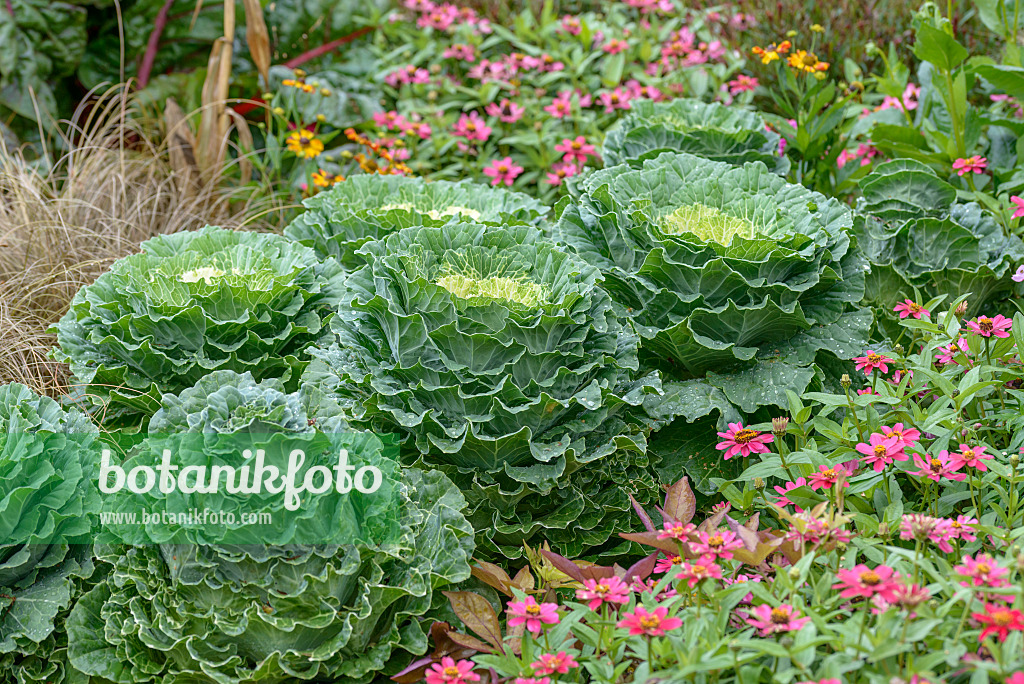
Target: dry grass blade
x: 114, y: 187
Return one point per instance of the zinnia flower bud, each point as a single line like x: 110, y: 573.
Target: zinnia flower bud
x: 759, y: 483
x: 960, y: 309
x: 779, y: 426
x: 845, y: 381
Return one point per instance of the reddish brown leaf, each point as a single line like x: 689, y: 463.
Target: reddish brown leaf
x: 646, y: 519
x: 477, y: 613
x: 493, y: 576
x: 651, y: 539
x: 680, y: 502
x: 524, y: 580
x: 564, y: 564
x: 470, y: 642
x: 642, y: 569
x: 748, y: 537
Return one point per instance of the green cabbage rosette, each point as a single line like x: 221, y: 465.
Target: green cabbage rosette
x: 189, y: 304
x: 501, y: 361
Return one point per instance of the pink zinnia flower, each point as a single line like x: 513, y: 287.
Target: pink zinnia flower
x: 743, y: 84
x: 1019, y: 203
x: 533, y: 680
x: 784, y: 489
x: 532, y: 614
x: 944, y: 354
x: 864, y: 582
x: 649, y: 624
x: 507, y: 111
x: 616, y: 99
x: 983, y: 571
x: 389, y: 120
x: 881, y: 451
x: 677, y: 530
x: 1018, y: 277
x: 575, y: 150
x: 970, y: 456
x: 472, y: 127
x: 503, y: 171
x: 991, y: 327
x: 937, y: 467
x: 615, y: 46
x: 872, y: 361
x: 448, y: 671
x: 571, y: 25
x: 694, y: 573
x: 560, y: 171
x: 561, y: 106
x: 975, y: 164
x: 771, y: 620
x: 1016, y: 678
x: 924, y: 527
x: 905, y: 436
x: 999, y: 620
x: 963, y: 527
x: 461, y: 52
x: 715, y: 545
x: 554, y: 663
x: 609, y: 590
x: 666, y: 564
x: 649, y: 585
x: 910, y: 308
x: 743, y: 441
x: 828, y: 476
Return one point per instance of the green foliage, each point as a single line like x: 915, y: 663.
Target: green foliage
x: 713, y: 131
x: 206, y: 611
x: 48, y: 501
x: 192, y: 303
x: 922, y: 244
x: 339, y: 221
x: 522, y: 389
x: 40, y: 44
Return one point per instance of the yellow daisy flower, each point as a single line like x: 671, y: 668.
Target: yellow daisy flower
x: 807, y: 61
x: 304, y: 144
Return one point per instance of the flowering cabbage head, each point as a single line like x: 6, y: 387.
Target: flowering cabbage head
x: 233, y: 613
x: 339, y: 221
x: 918, y: 237
x: 192, y: 303
x: 710, y: 130
x: 500, y: 360
x: 735, y: 280
x: 47, y: 507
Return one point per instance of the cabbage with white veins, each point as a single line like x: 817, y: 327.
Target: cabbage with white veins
x: 739, y: 284
x: 500, y: 361
x: 192, y: 303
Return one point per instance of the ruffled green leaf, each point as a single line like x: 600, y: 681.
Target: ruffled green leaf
x: 339, y: 221
x: 712, y: 131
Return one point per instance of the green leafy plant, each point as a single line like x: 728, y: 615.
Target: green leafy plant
x: 192, y: 303
x: 713, y: 131
x: 922, y: 243
x: 339, y: 221
x: 233, y: 613
x: 735, y: 281
x: 48, y: 502
x: 500, y: 361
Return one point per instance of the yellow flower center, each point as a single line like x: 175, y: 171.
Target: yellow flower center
x: 744, y: 436
x: 452, y: 672
x: 780, y: 616
x: 650, y: 622
x: 870, y: 578
x: 533, y: 610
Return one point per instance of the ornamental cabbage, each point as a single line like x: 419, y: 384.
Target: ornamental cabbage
x: 226, y: 613
x: 339, y: 221
x: 921, y: 243
x: 735, y: 281
x: 47, y: 508
x: 500, y: 360
x: 710, y: 130
x: 192, y: 303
